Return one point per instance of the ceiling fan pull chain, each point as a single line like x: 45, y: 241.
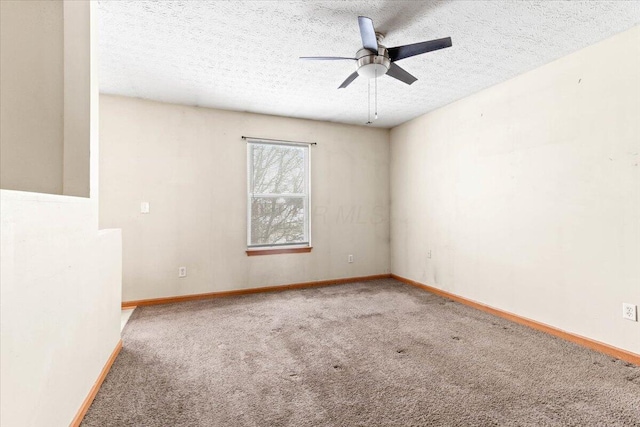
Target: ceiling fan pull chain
x: 369, y: 101
x: 376, y: 96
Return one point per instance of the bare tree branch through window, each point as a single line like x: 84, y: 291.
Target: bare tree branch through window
x: 278, y: 194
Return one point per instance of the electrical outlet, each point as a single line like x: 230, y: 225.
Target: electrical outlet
x: 630, y: 311
x: 429, y: 254
x: 144, y: 207
x: 350, y: 259
x: 182, y: 271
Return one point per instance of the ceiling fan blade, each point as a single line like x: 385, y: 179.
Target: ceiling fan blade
x: 400, y: 52
x: 347, y: 82
x: 368, y: 34
x: 399, y: 73
x: 326, y: 58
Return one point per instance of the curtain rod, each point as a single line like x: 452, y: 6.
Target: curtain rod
x: 279, y: 140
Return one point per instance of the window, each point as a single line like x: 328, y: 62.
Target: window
x: 278, y: 194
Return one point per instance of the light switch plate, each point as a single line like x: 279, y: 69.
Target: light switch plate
x: 144, y: 207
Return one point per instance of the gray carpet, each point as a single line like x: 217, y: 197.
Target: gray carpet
x: 365, y: 354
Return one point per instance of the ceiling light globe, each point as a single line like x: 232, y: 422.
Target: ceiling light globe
x: 372, y: 71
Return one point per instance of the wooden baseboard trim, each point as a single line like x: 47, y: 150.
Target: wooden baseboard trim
x: 568, y: 336
x: 94, y: 390
x: 183, y: 298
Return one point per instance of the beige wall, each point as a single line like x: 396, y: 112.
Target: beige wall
x: 59, y: 305
x: 77, y: 74
x: 190, y: 165
x: 527, y: 194
x: 60, y: 289
x: 31, y: 95
x: 44, y: 101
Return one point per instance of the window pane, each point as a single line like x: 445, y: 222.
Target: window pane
x: 277, y: 220
x: 277, y: 169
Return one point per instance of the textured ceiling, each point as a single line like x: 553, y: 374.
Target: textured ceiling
x: 243, y: 55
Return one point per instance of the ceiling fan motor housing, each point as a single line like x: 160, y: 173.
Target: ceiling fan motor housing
x: 371, y: 65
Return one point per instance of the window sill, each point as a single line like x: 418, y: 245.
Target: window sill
x: 275, y: 251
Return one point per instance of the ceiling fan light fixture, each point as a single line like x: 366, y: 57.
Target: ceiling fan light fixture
x: 372, y: 71
x: 372, y: 66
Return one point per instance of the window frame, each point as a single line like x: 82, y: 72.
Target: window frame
x: 264, y: 249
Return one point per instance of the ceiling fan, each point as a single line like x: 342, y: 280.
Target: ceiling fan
x: 375, y: 60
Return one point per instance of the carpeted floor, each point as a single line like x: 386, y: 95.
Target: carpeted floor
x: 365, y: 354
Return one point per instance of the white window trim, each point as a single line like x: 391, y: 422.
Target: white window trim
x: 307, y: 200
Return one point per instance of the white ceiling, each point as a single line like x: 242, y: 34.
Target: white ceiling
x: 243, y: 55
